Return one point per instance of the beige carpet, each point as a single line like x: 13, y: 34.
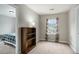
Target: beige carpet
x: 51, y: 48
x: 6, y: 49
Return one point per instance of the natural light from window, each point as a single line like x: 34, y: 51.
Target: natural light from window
x: 52, y: 26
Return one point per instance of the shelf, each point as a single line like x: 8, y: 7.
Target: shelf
x: 29, y: 48
x: 31, y: 33
x: 31, y: 39
x: 28, y: 39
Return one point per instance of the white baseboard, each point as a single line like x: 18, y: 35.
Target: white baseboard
x: 64, y: 42
x: 53, y: 40
x: 42, y: 39
x: 74, y: 50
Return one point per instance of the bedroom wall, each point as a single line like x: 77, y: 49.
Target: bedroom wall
x: 7, y: 24
x: 74, y: 28
x: 26, y: 18
x: 63, y: 26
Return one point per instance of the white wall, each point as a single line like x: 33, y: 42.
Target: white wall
x: 63, y: 26
x: 77, y: 29
x: 27, y: 18
x: 74, y: 28
x: 7, y: 24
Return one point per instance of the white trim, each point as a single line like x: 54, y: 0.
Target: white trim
x: 63, y: 42
x: 74, y: 50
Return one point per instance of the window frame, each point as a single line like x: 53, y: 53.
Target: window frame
x: 56, y: 26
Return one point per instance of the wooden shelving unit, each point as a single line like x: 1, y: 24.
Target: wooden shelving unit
x: 28, y: 39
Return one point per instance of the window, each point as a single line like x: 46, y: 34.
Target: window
x: 52, y: 26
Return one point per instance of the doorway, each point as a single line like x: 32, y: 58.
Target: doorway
x: 7, y: 29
